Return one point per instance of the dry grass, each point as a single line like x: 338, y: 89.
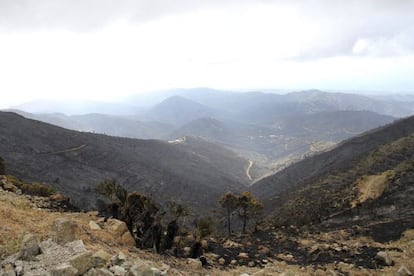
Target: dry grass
x: 372, y: 187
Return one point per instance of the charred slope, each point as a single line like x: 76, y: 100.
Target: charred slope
x: 123, y: 126
x: 367, y: 180
x: 74, y: 162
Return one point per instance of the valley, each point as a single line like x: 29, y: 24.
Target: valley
x: 271, y: 130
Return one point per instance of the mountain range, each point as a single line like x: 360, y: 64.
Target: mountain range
x: 190, y: 170
x: 270, y: 130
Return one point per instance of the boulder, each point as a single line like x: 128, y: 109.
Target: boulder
x: 118, y: 270
x: 117, y: 227
x: 76, y: 246
x: 29, y: 248
x: 8, y: 270
x: 128, y: 240
x: 243, y: 255
x: 101, y: 258
x: 64, y: 270
x: 7, y: 186
x: 221, y: 261
x: 384, y: 258
x: 63, y: 231
x: 94, y: 226
x: 99, y: 272
x: 187, y: 251
x: 119, y: 258
x: 82, y: 262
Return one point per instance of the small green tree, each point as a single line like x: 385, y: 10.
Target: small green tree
x: 249, y: 206
x: 2, y: 166
x: 229, y: 202
x: 107, y: 188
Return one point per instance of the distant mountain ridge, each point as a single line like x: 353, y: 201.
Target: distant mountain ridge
x: 271, y: 130
x: 178, y: 110
x: 74, y: 162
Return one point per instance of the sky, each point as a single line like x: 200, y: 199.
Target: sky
x: 107, y: 49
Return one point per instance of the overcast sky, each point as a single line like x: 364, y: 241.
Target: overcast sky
x: 104, y: 49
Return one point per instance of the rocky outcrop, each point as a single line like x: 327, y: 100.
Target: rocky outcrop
x: 63, y: 231
x: 30, y: 247
x: 72, y: 258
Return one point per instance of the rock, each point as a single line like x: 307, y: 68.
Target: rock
x: 187, y: 251
x: 384, y: 258
x: 99, y: 272
x: 30, y: 247
x: 403, y: 271
x: 19, y: 267
x: 117, y: 227
x: 64, y: 270
x: 263, y: 250
x: 8, y: 270
x: 118, y: 270
x: 155, y: 271
x: 243, y: 255
x: 94, y: 226
x: 101, y: 258
x: 128, y: 240
x: 119, y: 258
x: 143, y: 270
x: 233, y: 262
x: 221, y: 261
x: 76, y: 246
x: 204, y: 244
x: 63, y: 231
x: 7, y: 186
x: 127, y: 265
x: 82, y: 262
x: 259, y: 273
x: 194, y: 264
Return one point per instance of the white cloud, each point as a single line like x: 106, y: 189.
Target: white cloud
x: 267, y: 44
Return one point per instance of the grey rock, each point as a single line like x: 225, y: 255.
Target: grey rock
x: 127, y: 265
x: 384, y: 258
x: 141, y: 270
x: 101, y: 258
x: 76, y: 246
x: 8, y: 270
x: 118, y: 270
x: 118, y: 259
x: 99, y: 272
x: 82, y: 262
x: 29, y: 248
x: 64, y: 270
x: 63, y: 231
x: 155, y: 271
